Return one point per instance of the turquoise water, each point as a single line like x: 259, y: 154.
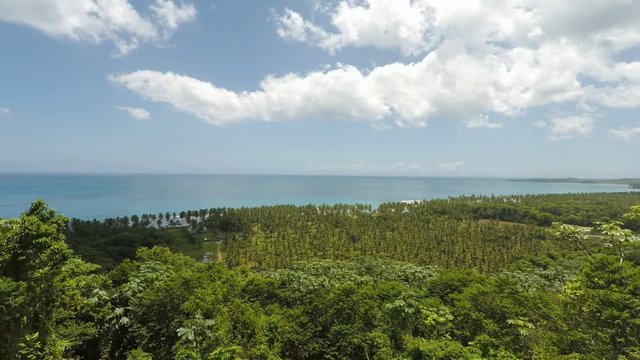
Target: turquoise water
x: 101, y: 196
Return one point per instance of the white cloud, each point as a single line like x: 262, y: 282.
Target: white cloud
x: 451, y: 167
x: 482, y: 122
x: 623, y: 94
x: 490, y: 58
x: 4, y: 111
x: 136, y: 113
x: 415, y: 26
x: 457, y: 86
x: 293, y: 27
x: 402, y: 24
x: 568, y: 127
x: 97, y: 21
x: 171, y: 16
x: 540, y: 124
x: 626, y: 134
x: 339, y: 93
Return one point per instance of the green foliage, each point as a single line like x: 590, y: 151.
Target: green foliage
x: 30, y: 348
x: 110, y: 242
x: 618, y: 237
x: 279, y: 236
x: 576, y: 235
x: 138, y: 354
x: 633, y: 214
x: 48, y: 307
x: 226, y: 353
x: 422, y: 349
x: 329, y: 286
x: 602, y: 308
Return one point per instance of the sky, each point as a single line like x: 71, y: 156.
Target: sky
x: 509, y: 88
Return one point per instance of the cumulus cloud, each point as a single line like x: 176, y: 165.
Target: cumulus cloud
x: 626, y: 134
x: 458, y: 86
x: 136, y: 113
x: 293, y: 26
x: 97, y: 21
x: 172, y: 15
x: 482, y: 122
x: 568, y: 127
x: 407, y: 25
x: 339, y: 93
x: 477, y: 58
x: 451, y: 167
x: 414, y: 26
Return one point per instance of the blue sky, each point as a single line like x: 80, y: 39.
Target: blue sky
x: 370, y: 87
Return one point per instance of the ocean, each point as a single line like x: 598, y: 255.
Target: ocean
x: 102, y: 196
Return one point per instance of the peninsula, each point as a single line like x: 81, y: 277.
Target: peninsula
x: 633, y: 183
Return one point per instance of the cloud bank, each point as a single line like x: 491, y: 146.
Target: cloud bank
x: 97, y: 21
x: 476, y: 58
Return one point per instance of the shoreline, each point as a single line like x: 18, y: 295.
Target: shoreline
x: 104, y: 197
x: 372, y: 205
x: 631, y: 183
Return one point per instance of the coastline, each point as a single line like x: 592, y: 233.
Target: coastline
x: 632, y: 183
x: 101, y: 197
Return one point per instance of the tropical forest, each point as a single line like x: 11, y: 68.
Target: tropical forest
x: 480, y: 277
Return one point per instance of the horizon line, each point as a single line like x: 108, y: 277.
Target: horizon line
x: 124, y: 173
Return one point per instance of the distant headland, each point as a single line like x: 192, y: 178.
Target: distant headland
x: 633, y: 183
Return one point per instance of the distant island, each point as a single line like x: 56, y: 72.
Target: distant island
x: 633, y: 183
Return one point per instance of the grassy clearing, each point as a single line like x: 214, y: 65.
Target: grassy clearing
x: 196, y: 245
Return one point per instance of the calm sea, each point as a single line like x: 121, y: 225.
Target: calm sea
x: 102, y: 196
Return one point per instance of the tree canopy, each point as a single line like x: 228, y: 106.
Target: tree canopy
x: 374, y: 290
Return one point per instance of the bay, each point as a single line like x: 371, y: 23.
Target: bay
x: 102, y: 196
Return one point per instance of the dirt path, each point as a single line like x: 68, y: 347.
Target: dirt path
x: 218, y: 252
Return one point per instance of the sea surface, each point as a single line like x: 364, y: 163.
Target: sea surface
x: 102, y: 196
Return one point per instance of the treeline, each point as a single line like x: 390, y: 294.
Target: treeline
x: 576, y: 209
x: 162, y: 305
x: 108, y: 243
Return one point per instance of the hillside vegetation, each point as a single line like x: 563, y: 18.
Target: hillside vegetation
x: 464, y: 278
